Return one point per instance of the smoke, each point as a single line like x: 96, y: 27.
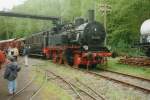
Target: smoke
x: 6, y: 5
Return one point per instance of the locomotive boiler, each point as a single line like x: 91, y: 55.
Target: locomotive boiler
x: 78, y: 43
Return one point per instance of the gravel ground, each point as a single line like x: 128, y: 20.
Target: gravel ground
x: 111, y: 90
x: 138, y: 82
x: 63, y: 85
x: 24, y: 76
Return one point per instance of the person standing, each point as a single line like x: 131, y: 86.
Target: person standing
x: 11, y: 74
x: 26, y: 53
x: 16, y: 53
x: 10, y: 51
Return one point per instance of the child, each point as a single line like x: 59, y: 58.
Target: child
x: 10, y: 74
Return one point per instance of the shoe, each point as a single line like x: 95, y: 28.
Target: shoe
x: 14, y: 93
x: 10, y: 94
x: 26, y: 65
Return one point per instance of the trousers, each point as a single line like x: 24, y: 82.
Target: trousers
x: 12, y: 86
x: 26, y: 60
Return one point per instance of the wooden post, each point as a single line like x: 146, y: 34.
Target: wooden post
x: 104, y: 9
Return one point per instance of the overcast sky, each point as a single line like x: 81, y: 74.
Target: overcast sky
x: 9, y: 4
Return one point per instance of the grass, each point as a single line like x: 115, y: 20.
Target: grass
x: 112, y: 65
x: 140, y: 71
x: 50, y: 91
x: 54, y: 92
x: 110, y: 90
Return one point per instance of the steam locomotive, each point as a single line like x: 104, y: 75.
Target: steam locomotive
x: 78, y: 43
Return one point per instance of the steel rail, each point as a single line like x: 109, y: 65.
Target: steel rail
x: 84, y: 92
x: 68, y: 84
x: 113, y: 79
x: 25, y: 87
x: 21, y: 90
x: 39, y: 89
x: 123, y: 82
x: 74, y: 86
x: 99, y: 95
x: 132, y: 76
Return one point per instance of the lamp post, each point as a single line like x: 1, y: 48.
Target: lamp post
x: 105, y: 8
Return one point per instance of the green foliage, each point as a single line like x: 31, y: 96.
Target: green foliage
x: 140, y: 71
x: 123, y: 22
x: 67, y: 10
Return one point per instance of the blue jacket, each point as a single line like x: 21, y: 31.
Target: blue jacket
x: 11, y: 71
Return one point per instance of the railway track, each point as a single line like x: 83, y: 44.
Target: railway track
x: 140, y: 83
x: 133, y: 81
x: 66, y: 85
x: 88, y: 87
x: 19, y: 92
x: 81, y: 93
x: 40, y: 88
x: 133, y: 76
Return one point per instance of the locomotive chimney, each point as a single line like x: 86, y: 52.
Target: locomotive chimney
x: 91, y: 16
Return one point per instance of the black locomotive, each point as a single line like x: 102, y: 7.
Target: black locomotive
x: 78, y: 43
